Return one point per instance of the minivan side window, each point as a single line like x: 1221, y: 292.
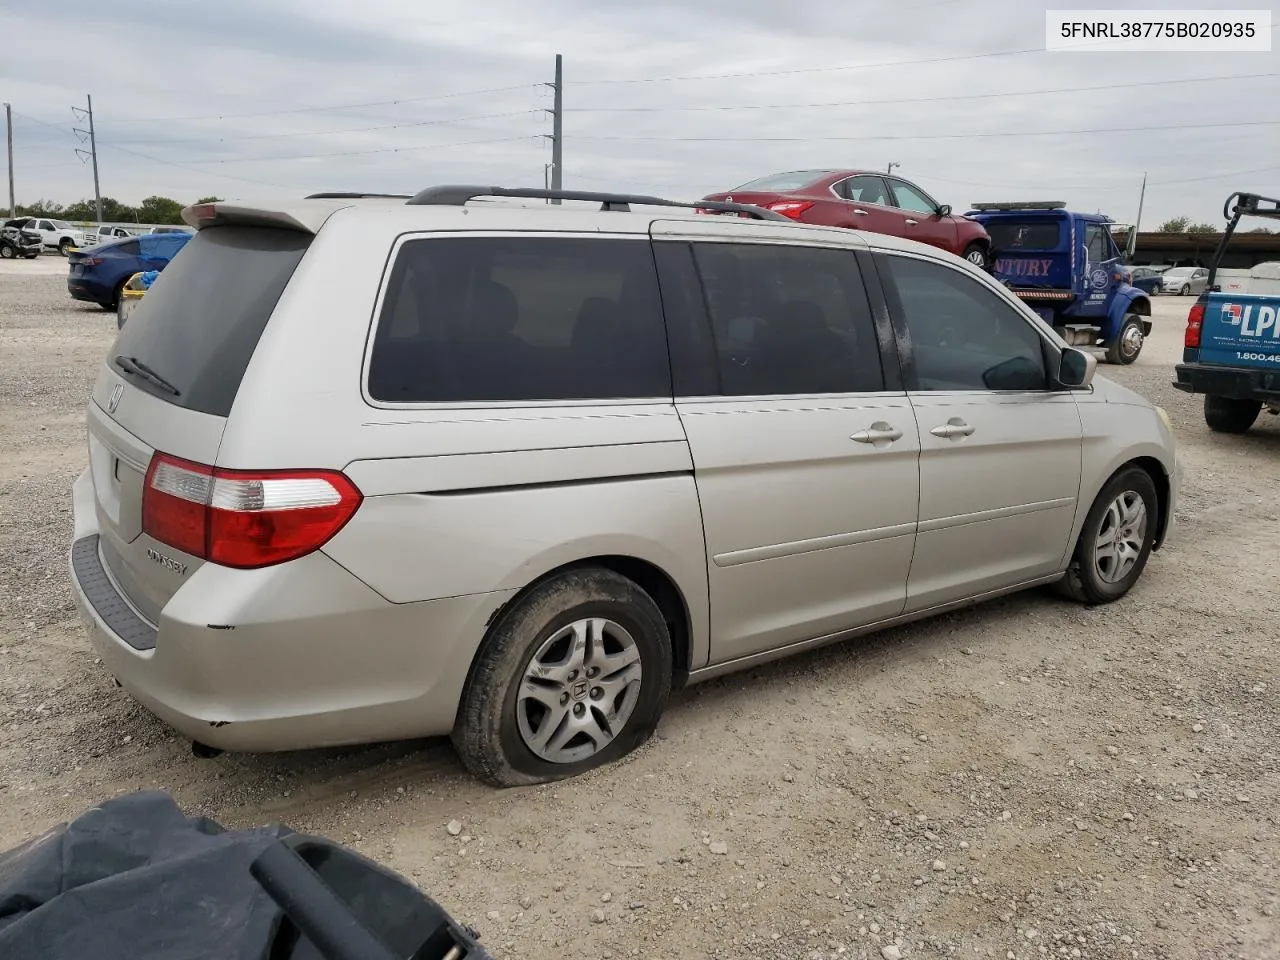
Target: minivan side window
x: 788, y: 320
x: 491, y: 319
x: 963, y: 335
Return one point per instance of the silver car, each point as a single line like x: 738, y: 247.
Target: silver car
x: 368, y: 469
x: 1184, y: 281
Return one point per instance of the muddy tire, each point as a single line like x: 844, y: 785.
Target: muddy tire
x: 1226, y: 415
x: 1116, y: 540
x: 574, y: 675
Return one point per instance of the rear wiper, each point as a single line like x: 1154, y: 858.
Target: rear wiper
x: 139, y: 369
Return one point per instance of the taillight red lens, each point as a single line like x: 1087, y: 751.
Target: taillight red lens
x: 790, y: 208
x: 1195, y: 321
x: 241, y: 518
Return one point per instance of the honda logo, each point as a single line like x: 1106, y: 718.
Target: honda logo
x: 116, y: 393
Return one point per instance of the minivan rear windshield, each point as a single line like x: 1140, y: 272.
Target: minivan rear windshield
x: 200, y: 322
x: 1024, y: 234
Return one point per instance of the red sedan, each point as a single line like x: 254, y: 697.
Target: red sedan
x: 865, y: 200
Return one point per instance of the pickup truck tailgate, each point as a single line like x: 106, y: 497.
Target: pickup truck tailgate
x: 1241, y: 330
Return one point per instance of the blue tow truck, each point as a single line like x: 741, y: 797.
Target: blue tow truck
x: 1066, y: 266
x: 1231, y: 349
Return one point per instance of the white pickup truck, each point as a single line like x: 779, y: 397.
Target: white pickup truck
x: 56, y: 234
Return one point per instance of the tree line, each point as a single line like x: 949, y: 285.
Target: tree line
x: 153, y: 210
x: 1184, y: 225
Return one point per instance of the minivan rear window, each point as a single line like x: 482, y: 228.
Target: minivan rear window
x: 198, y: 325
x: 1024, y: 234
x: 480, y: 319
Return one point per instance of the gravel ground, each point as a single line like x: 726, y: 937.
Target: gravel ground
x: 1028, y: 778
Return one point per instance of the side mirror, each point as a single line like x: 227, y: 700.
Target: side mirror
x: 1076, y: 368
x: 944, y: 210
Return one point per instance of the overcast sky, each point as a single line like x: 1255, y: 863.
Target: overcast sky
x: 679, y: 97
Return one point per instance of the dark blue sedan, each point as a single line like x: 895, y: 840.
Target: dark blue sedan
x: 98, y: 274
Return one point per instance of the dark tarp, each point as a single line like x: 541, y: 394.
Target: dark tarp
x: 136, y: 879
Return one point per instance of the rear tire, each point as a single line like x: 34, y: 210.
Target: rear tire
x: 1128, y: 342
x: 579, y: 629
x: 976, y: 254
x: 1226, y: 415
x: 1116, y: 539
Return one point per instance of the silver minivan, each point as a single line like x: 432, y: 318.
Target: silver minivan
x: 365, y: 469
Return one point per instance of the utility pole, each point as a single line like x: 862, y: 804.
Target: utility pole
x: 8, y: 119
x: 1132, y: 245
x: 557, y: 127
x: 93, y: 153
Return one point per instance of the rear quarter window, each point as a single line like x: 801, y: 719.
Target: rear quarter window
x: 198, y: 325
x: 492, y: 319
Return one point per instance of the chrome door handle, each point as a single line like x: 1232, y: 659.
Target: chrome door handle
x: 912, y: 222
x: 878, y: 432
x: 953, y: 429
x: 860, y: 213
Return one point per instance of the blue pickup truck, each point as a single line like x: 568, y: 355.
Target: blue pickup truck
x: 1066, y: 266
x: 1231, y: 350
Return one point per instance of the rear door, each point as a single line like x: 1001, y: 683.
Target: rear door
x: 805, y: 449
x: 1000, y: 450
x: 869, y: 206
x: 195, y: 332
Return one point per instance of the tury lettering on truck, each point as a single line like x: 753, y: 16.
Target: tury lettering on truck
x: 1231, y: 350
x: 1010, y: 267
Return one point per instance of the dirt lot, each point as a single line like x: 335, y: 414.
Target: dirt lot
x: 1025, y: 779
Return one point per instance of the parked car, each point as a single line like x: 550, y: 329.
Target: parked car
x: 99, y: 274
x: 865, y: 200
x: 373, y: 469
x: 54, y: 234
x: 1066, y: 266
x: 1231, y: 348
x: 18, y: 243
x: 1184, y: 281
x: 1146, y: 279
x: 186, y: 230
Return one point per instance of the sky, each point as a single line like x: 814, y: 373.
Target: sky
x: 271, y: 98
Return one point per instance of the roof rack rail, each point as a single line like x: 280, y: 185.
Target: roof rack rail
x: 356, y: 196
x: 455, y: 195
x: 1027, y: 205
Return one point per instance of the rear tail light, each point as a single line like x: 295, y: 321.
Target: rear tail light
x: 1195, y: 321
x: 790, y: 208
x: 244, y: 518
x: 90, y: 261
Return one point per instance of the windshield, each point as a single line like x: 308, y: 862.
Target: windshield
x: 1024, y: 234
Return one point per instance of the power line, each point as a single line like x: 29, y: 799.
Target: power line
x: 328, y: 107
x: 938, y: 136
x: 333, y: 133
x: 901, y: 100
x: 211, y: 173
x: 346, y: 153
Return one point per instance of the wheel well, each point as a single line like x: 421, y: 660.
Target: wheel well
x: 1141, y: 306
x: 1155, y: 470
x: 653, y: 581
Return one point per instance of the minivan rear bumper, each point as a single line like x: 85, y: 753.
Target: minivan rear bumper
x: 291, y: 657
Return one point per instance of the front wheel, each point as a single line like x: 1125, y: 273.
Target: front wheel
x: 1226, y: 415
x: 1116, y: 540
x: 1128, y: 342
x: 64, y: 247
x: 1186, y: 289
x: 573, y: 676
x: 7, y: 252
x: 976, y: 254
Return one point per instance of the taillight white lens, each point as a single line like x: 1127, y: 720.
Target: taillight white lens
x: 241, y: 518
